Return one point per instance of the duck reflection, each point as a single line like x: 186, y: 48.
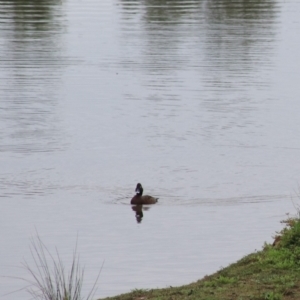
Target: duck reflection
x: 138, y: 209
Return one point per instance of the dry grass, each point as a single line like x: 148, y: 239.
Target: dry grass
x: 50, y: 280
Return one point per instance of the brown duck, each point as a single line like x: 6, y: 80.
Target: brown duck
x: 139, y: 199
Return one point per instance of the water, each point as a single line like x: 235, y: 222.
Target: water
x: 198, y: 100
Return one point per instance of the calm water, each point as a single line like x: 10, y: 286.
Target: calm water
x: 198, y: 100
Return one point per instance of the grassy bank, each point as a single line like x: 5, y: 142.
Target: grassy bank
x: 270, y: 274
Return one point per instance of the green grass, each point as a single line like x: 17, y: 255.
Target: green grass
x: 270, y: 274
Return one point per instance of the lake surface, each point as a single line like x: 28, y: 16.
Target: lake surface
x: 197, y: 100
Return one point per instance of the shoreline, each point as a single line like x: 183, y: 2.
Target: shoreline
x: 272, y: 273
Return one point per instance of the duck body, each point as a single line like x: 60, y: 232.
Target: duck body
x: 139, y: 199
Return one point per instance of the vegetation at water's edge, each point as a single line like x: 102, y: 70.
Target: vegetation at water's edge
x: 49, y: 279
x: 270, y: 274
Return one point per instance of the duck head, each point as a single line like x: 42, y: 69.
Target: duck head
x: 139, y: 189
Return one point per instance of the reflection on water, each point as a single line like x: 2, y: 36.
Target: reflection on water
x: 235, y: 36
x: 30, y: 75
x: 162, y: 11
x: 138, y: 209
x: 239, y: 39
x: 214, y: 52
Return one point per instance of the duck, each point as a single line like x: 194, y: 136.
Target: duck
x: 139, y: 199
